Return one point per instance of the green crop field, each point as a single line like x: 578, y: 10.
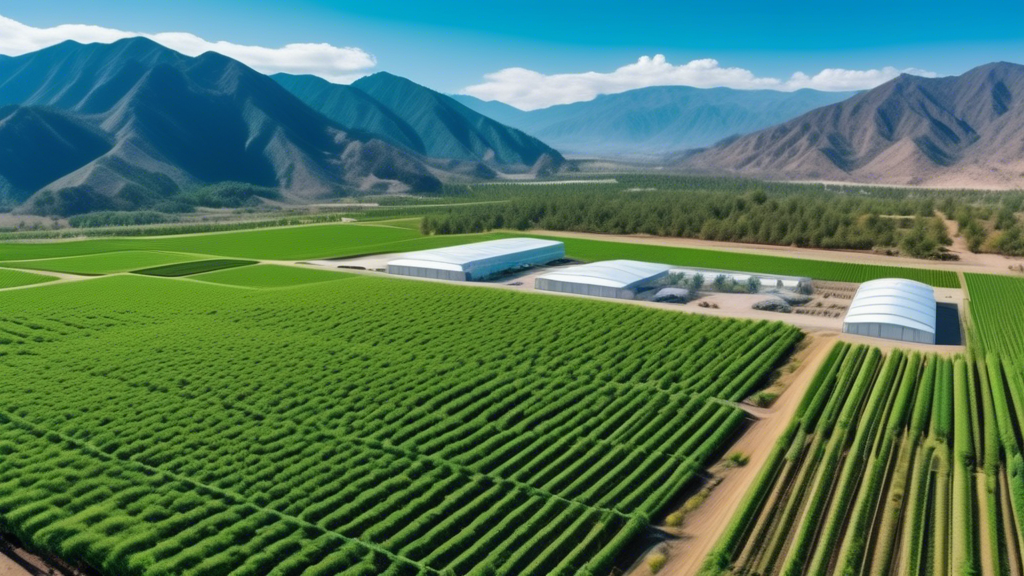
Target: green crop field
x: 14, y: 278
x: 997, y: 313
x: 195, y: 267
x: 592, y: 250
x: 341, y: 240
x: 371, y: 426
x: 272, y: 276
x: 107, y: 263
x: 294, y: 243
x: 898, y: 464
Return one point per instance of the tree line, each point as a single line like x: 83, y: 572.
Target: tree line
x: 735, y: 210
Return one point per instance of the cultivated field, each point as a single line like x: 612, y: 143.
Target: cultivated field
x: 371, y: 426
x: 271, y: 276
x: 997, y: 312
x: 898, y: 464
x: 15, y: 278
x: 194, y: 267
x: 347, y: 240
x: 105, y: 263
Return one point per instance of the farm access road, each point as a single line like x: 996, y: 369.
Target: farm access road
x: 703, y: 527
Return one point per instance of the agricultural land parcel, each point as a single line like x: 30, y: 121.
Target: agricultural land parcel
x: 271, y: 276
x: 344, y: 240
x: 371, y: 426
x: 904, y: 464
x: 104, y: 263
x: 15, y: 278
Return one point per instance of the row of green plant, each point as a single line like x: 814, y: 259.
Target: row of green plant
x: 195, y: 267
x: 411, y: 425
x: 902, y: 464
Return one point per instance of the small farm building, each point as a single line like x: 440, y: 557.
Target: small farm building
x: 610, y: 279
x: 895, y: 309
x: 479, y: 260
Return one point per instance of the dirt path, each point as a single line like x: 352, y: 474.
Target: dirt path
x: 980, y: 263
x: 704, y: 526
x: 9, y: 567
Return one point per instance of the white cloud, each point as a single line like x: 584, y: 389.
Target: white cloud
x: 838, y: 79
x: 337, y: 64
x: 529, y: 90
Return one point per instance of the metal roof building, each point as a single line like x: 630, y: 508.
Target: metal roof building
x: 891, y: 308
x: 478, y: 260
x: 611, y: 279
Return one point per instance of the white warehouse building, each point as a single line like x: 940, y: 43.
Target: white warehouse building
x: 610, y: 279
x: 479, y: 260
x: 895, y: 309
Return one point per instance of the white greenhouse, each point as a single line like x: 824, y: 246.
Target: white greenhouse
x: 610, y: 279
x: 895, y: 309
x: 479, y: 260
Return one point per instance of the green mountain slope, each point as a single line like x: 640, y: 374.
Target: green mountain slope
x: 422, y: 121
x: 178, y: 122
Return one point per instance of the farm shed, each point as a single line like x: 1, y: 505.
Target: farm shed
x: 611, y: 279
x: 895, y: 309
x: 479, y: 260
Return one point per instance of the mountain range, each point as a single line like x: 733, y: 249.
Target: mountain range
x: 957, y: 131
x: 133, y: 125
x: 423, y: 121
x: 130, y: 124
x: 650, y: 122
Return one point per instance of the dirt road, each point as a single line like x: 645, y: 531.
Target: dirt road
x: 704, y: 526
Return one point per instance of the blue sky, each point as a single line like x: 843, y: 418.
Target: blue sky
x: 453, y: 45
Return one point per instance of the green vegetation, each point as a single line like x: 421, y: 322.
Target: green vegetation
x: 196, y: 267
x: 371, y: 426
x: 289, y: 243
x: 738, y: 210
x: 272, y: 276
x: 14, y: 278
x: 340, y: 240
x: 881, y: 472
x: 106, y: 263
x: 592, y: 250
x: 997, y: 313
x: 98, y: 219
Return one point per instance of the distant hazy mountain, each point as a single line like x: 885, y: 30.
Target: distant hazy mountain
x: 423, y: 121
x: 654, y: 121
x: 148, y: 122
x: 959, y: 131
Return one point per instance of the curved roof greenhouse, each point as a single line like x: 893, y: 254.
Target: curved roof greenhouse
x: 893, y: 308
x: 610, y: 279
x: 478, y: 260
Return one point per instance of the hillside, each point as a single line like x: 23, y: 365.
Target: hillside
x: 654, y: 121
x: 958, y: 131
x: 37, y: 146
x: 423, y: 121
x: 175, y: 122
